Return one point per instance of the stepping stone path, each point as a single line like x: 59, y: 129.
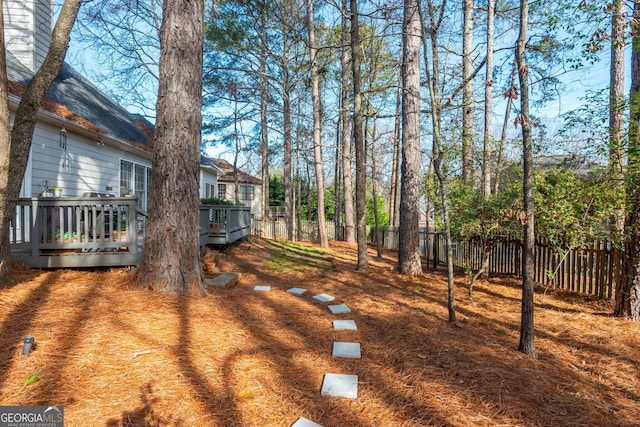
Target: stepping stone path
x: 340, y: 385
x: 323, y: 298
x: 303, y: 422
x: 225, y: 280
x: 345, y: 325
x: 339, y: 309
x: 336, y: 385
x: 349, y: 350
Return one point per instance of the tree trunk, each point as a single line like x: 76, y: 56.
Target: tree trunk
x: 511, y: 95
x: 358, y: 140
x: 467, y: 91
x: 616, y: 90
x: 171, y: 261
x: 347, y: 161
x: 374, y: 189
x: 484, y: 269
x: 337, y: 181
x: 264, y: 124
x: 298, y: 181
x: 236, y: 152
x: 628, y: 290
x: 286, y: 113
x: 409, y: 261
x: 433, y: 79
x: 527, y: 333
x: 436, y: 15
x: 16, y: 144
x: 487, y: 154
x: 427, y: 209
x: 394, y: 199
x: 488, y: 110
x: 617, y: 105
x: 317, y: 124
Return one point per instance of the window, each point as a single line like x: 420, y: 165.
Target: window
x: 126, y: 177
x: 246, y: 192
x: 148, y: 187
x: 222, y: 191
x: 209, y: 190
x: 140, y: 185
x: 135, y: 180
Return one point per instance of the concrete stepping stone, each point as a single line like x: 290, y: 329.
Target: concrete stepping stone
x: 349, y: 350
x: 225, y: 280
x: 323, y: 298
x: 339, y: 309
x: 297, y: 291
x: 304, y: 422
x: 340, y: 385
x: 345, y: 325
x: 262, y: 288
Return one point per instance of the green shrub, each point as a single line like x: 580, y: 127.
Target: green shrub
x: 216, y: 201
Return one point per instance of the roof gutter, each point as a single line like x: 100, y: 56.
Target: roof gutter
x: 55, y: 120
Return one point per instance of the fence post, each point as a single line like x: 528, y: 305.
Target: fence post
x: 436, y: 250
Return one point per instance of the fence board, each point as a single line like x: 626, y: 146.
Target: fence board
x: 593, y: 270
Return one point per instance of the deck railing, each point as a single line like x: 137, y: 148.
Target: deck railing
x: 67, y: 232
x: 223, y: 224
x: 77, y: 232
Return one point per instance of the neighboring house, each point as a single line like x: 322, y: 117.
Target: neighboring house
x: 577, y: 163
x: 250, y: 187
x: 422, y: 221
x: 84, y: 141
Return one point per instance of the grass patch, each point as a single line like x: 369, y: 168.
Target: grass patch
x: 289, y: 257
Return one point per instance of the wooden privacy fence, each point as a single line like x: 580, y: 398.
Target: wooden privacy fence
x: 306, y: 231
x: 593, y: 270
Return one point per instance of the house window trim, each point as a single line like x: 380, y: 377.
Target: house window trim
x: 244, y: 194
x: 209, y: 190
x: 222, y: 191
x: 143, y: 202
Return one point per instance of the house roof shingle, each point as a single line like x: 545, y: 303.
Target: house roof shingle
x: 76, y: 99
x: 228, y: 169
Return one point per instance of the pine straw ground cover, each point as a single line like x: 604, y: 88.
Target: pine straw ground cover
x: 114, y: 354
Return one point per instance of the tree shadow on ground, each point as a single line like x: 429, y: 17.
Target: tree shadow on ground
x: 144, y: 414
x: 415, y: 367
x: 18, y: 323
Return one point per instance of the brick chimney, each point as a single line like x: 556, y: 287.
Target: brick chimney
x: 27, y: 29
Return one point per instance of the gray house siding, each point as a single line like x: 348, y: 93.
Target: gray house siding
x: 84, y: 166
x: 28, y: 24
x: 100, y: 133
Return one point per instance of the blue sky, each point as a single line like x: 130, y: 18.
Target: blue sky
x: 575, y: 85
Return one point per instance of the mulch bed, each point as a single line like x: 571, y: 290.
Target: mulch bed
x: 114, y: 354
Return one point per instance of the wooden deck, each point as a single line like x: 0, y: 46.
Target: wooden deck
x: 221, y: 225
x: 77, y: 232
